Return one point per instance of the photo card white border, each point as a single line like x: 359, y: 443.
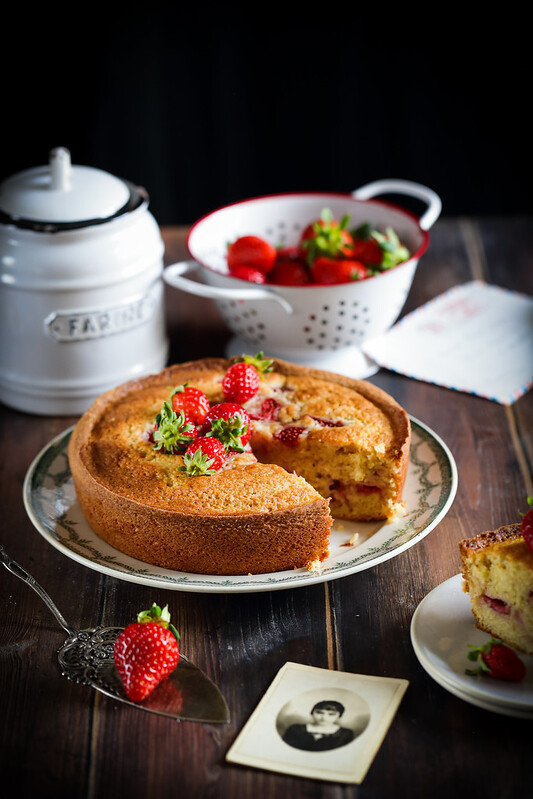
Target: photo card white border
x: 369, y: 702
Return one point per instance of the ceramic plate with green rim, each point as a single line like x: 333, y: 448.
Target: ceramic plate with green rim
x: 431, y: 484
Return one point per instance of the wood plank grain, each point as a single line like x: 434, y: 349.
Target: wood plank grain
x: 58, y: 738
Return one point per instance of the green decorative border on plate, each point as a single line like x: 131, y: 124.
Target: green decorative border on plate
x: 431, y: 484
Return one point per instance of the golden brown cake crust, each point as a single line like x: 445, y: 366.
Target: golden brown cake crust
x: 508, y: 532
x: 497, y: 571
x: 253, y: 518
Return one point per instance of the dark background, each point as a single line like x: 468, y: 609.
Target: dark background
x: 216, y: 102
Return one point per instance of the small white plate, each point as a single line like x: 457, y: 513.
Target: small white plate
x: 472, y: 699
x: 442, y: 628
x: 431, y: 485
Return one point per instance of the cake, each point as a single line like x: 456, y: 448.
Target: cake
x: 497, y: 570
x: 320, y: 445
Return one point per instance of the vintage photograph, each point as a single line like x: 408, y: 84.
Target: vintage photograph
x: 319, y: 723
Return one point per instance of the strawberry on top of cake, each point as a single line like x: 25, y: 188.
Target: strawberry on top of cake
x: 232, y: 466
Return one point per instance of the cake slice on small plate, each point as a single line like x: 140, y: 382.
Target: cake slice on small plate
x: 497, y: 570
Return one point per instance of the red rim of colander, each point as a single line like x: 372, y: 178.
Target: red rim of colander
x: 340, y: 195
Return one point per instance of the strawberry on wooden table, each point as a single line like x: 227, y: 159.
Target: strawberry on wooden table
x: 496, y: 660
x: 146, y: 652
x: 241, y: 380
x: 251, y: 251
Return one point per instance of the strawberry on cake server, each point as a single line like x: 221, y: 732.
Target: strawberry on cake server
x: 140, y: 665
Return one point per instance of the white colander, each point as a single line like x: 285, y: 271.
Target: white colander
x: 319, y: 326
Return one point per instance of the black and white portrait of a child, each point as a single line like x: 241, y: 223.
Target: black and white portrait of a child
x: 325, y: 724
x: 324, y: 731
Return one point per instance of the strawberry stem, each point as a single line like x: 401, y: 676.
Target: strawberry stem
x: 262, y: 364
x: 159, y: 616
x: 172, y: 433
x: 197, y: 464
x: 476, y: 655
x: 229, y: 432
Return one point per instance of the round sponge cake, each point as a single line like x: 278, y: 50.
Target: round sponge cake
x: 268, y: 508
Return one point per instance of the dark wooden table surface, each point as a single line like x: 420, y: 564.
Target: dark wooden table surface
x: 62, y: 739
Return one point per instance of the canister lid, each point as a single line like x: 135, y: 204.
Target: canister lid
x: 61, y: 193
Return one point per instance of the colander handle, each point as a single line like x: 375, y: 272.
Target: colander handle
x: 174, y: 276
x: 410, y: 189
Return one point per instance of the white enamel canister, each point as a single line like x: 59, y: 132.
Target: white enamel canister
x: 81, y: 294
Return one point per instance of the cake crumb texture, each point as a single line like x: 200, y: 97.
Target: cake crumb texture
x: 269, y: 508
x: 497, y: 570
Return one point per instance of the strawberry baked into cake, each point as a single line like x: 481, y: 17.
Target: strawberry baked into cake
x: 497, y: 570
x: 237, y: 466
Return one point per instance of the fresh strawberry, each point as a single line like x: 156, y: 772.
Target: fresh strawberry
x: 288, y: 253
x: 230, y: 423
x: 243, y: 272
x: 173, y: 431
x: 326, y: 236
x: 527, y: 525
x: 289, y: 273
x: 496, y: 660
x: 146, y: 652
x: 251, y: 251
x: 206, y: 455
x: 289, y: 435
x: 242, y: 380
x: 329, y: 271
x: 193, y: 402
x: 367, y: 251
x: 383, y: 250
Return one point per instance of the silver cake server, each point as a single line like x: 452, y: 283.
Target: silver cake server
x: 87, y: 657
